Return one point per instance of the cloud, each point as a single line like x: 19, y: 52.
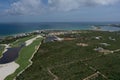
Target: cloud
x: 33, y: 7
x: 23, y: 7
x: 67, y: 5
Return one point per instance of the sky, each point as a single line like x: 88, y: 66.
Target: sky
x: 59, y: 10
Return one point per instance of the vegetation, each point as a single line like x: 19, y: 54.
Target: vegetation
x: 24, y: 56
x: 21, y: 41
x: 12, y: 39
x: 109, y: 65
x: 67, y: 61
x: 1, y: 49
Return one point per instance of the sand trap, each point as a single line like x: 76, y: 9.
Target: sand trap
x: 6, y: 47
x: 7, y: 69
x: 28, y: 42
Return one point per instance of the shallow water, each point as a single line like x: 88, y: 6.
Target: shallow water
x: 16, y: 28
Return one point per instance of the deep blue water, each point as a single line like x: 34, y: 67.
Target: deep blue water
x: 15, y: 28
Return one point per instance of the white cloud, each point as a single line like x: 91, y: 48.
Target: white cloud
x: 25, y: 7
x: 67, y: 5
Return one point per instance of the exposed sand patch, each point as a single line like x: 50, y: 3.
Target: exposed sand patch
x: 102, y: 50
x: 7, y: 69
x: 6, y: 47
x: 82, y: 44
x: 28, y: 42
x: 69, y: 39
x: 36, y: 47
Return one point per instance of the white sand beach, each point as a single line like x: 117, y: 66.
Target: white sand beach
x: 7, y: 69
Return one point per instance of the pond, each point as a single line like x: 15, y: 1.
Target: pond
x: 10, y: 55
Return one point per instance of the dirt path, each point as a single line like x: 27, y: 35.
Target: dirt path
x: 117, y: 50
x: 75, y: 61
x: 82, y: 61
x: 93, y: 76
x: 52, y: 74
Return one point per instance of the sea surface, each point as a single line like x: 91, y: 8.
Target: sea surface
x: 16, y: 28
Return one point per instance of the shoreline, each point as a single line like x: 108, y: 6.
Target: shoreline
x: 17, y: 34
x: 29, y: 32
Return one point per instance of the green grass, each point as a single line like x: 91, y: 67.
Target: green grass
x: 16, y: 43
x: 21, y: 40
x: 24, y: 56
x: 1, y: 50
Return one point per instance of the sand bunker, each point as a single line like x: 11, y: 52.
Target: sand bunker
x: 28, y: 42
x: 7, y: 69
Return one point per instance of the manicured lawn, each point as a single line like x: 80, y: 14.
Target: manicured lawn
x: 20, y: 41
x: 24, y: 56
x: 1, y: 49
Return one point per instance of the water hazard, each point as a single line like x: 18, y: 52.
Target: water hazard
x: 10, y: 55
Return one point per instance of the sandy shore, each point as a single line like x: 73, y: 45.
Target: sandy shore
x: 7, y: 69
x: 28, y: 42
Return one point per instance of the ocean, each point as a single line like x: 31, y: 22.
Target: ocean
x: 16, y: 28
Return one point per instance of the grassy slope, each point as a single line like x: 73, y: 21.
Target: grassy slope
x: 16, y: 43
x: 24, y: 56
x: 53, y: 54
x: 1, y: 49
x: 20, y: 41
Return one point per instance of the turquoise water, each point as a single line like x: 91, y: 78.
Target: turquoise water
x: 16, y: 28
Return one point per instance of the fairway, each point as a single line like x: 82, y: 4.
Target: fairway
x: 25, y: 55
x: 2, y: 47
